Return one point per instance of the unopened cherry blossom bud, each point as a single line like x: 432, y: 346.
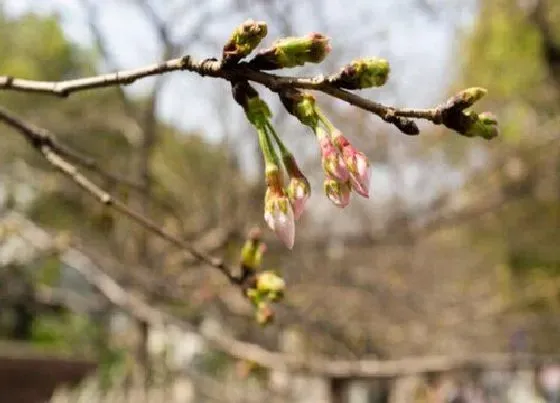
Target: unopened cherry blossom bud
x: 251, y: 255
x: 298, y: 192
x: 356, y: 162
x: 301, y: 105
x: 466, y: 98
x: 362, y: 73
x: 298, y: 189
x: 278, y: 212
x: 244, y: 40
x: 271, y: 285
x: 292, y: 52
x: 337, y: 192
x: 331, y: 159
x: 483, y: 125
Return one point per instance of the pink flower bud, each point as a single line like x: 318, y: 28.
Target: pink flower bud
x: 320, y: 47
x: 332, y: 160
x: 279, y: 216
x: 357, y: 164
x: 298, y: 191
x: 337, y: 192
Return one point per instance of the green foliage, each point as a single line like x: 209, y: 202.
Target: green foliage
x: 504, y: 53
x: 64, y: 333
x: 36, y: 48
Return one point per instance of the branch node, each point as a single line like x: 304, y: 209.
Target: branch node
x: 105, y: 198
x: 186, y: 62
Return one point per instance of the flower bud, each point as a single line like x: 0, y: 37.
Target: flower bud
x: 254, y: 296
x: 244, y: 40
x: 484, y: 125
x: 362, y: 73
x: 278, y: 212
x: 292, y: 52
x: 298, y: 189
x: 466, y: 98
x: 331, y: 160
x: 356, y: 162
x: 358, y: 166
x: 298, y: 192
x: 301, y: 105
x: 271, y: 285
x: 337, y: 192
x: 319, y: 49
x: 251, y: 253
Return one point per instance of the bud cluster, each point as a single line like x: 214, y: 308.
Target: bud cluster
x: 483, y: 125
x: 261, y: 287
x: 284, y: 53
x: 283, y: 204
x: 468, y: 123
x: 345, y: 167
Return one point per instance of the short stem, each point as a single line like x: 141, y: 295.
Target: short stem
x: 330, y: 127
x: 269, y: 154
x: 284, y: 152
x: 287, y: 157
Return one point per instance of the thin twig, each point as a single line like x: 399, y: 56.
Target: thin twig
x: 317, y: 365
x: 43, y: 141
x: 400, y: 117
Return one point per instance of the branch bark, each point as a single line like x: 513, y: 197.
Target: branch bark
x: 41, y: 140
x: 399, y: 117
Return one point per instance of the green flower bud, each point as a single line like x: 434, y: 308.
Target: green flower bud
x: 271, y: 285
x: 254, y: 296
x: 252, y: 251
x: 244, y: 40
x: 484, y: 125
x: 301, y: 105
x: 466, y: 98
x: 292, y: 52
x: 362, y: 73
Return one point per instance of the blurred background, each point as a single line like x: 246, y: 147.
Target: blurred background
x: 456, y: 252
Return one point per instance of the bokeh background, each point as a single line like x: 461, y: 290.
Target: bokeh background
x: 457, y: 252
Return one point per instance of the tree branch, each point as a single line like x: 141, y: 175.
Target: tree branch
x: 400, y: 117
x: 43, y: 142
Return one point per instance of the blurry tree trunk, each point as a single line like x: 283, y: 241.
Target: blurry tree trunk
x: 145, y: 180
x: 23, y: 308
x: 338, y: 388
x: 142, y: 243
